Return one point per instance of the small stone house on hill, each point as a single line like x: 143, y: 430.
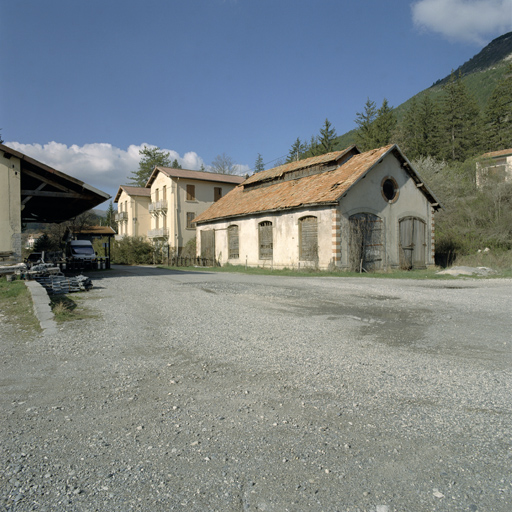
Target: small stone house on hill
x: 132, y: 217
x: 346, y: 210
x: 495, y: 166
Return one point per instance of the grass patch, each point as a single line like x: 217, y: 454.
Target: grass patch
x: 391, y: 274
x: 501, y: 261
x: 66, y: 309
x: 17, y: 306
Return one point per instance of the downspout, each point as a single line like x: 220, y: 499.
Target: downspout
x: 176, y: 222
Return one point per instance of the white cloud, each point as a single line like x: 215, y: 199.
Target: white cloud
x: 464, y: 20
x: 101, y: 165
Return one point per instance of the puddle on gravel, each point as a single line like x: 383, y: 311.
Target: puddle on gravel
x: 372, y: 318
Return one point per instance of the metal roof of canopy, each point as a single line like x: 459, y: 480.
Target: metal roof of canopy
x: 48, y: 195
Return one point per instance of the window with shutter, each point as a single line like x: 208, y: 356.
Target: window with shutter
x: 308, y: 238
x: 266, y: 244
x: 233, y: 242
x: 191, y: 193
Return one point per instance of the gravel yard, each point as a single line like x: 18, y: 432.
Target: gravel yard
x: 200, y: 391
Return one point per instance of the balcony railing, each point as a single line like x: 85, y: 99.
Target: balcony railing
x: 121, y: 216
x: 158, y: 206
x: 158, y: 233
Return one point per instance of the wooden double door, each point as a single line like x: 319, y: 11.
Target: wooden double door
x: 413, y: 243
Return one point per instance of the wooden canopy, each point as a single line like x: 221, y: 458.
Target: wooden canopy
x: 48, y: 195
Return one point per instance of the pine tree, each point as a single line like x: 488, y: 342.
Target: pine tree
x: 297, y: 151
x: 365, y: 137
x: 410, y: 135
x: 384, y: 125
x: 327, y: 138
x: 175, y: 164
x: 428, y: 126
x: 419, y: 129
x: 460, y: 122
x: 498, y: 115
x: 259, y: 165
x: 312, y: 147
x: 44, y: 243
x: 111, y: 217
x: 151, y: 157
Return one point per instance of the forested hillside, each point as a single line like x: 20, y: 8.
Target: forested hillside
x: 480, y: 76
x: 443, y: 130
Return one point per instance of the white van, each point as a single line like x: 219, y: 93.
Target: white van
x: 81, y: 251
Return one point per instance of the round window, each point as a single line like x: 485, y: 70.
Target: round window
x: 390, y: 189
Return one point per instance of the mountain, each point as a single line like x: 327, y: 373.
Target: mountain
x: 495, y: 53
x: 481, y: 73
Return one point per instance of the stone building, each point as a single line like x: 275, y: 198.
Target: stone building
x: 345, y: 210
x: 495, y: 166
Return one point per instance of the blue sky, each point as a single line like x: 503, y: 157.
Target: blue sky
x: 85, y: 84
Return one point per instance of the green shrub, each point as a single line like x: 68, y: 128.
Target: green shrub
x: 189, y: 251
x: 132, y: 251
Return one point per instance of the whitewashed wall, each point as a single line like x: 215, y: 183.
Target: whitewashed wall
x: 285, y: 239
x: 366, y: 197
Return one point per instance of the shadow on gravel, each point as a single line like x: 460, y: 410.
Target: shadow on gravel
x: 137, y: 271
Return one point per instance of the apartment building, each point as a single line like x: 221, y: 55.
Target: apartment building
x: 133, y: 217
x: 180, y: 195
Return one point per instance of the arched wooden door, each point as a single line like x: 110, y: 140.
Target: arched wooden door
x: 366, y: 247
x: 413, y: 243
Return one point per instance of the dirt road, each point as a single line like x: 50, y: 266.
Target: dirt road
x: 199, y: 391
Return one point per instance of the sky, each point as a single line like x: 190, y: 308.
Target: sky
x: 84, y: 85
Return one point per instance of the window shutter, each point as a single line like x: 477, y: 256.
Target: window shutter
x: 308, y: 238
x: 266, y: 240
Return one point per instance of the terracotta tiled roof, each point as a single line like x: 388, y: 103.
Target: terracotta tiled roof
x: 195, y: 175
x: 321, y: 160
x: 132, y: 191
x: 95, y: 230
x: 323, y: 188
x: 496, y: 154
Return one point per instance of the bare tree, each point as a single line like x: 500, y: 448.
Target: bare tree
x: 224, y: 164
x: 82, y: 221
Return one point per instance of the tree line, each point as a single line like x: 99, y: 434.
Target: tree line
x: 151, y: 157
x: 444, y: 136
x: 450, y: 128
